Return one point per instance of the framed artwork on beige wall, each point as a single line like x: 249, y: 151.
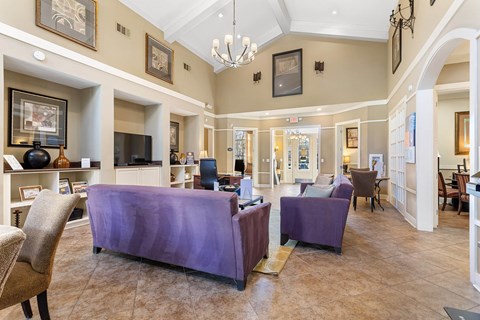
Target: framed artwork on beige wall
x: 352, y: 138
x: 158, y: 59
x: 287, y: 73
x: 75, y: 20
x: 397, y: 47
x: 174, y: 136
x: 462, y: 133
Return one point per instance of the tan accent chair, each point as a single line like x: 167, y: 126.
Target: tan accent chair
x: 462, y: 179
x: 364, y: 186
x: 444, y: 192
x: 32, y: 272
x: 11, y: 241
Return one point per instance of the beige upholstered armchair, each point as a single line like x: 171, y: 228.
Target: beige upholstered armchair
x: 32, y: 272
x: 11, y: 241
x: 364, y: 186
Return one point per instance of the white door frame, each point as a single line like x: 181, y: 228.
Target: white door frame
x: 272, y: 142
x: 212, y: 147
x: 339, y: 142
x: 254, y: 153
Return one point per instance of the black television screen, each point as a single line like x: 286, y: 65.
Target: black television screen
x: 240, y: 166
x: 132, y: 149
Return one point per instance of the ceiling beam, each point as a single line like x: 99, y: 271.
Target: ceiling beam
x: 193, y: 17
x: 281, y: 14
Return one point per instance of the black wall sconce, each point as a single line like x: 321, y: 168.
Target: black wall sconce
x: 403, y: 22
x: 257, y: 77
x: 319, y: 66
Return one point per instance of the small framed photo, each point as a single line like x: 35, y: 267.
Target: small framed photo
x: 159, y: 59
x: 352, y: 138
x: 29, y: 192
x: 36, y: 117
x: 397, y: 47
x: 79, y: 186
x: 287, y: 73
x: 174, y: 136
x: 64, y: 186
x: 75, y: 20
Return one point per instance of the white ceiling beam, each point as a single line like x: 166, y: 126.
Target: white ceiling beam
x: 281, y: 14
x: 355, y: 32
x: 174, y: 30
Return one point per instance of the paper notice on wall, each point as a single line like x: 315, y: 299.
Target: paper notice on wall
x: 246, y: 189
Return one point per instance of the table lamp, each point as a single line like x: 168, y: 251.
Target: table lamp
x: 203, y: 154
x: 346, y: 161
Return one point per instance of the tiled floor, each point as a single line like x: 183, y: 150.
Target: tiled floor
x: 388, y: 270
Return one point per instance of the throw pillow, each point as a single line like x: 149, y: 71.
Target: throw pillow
x: 318, y: 191
x: 323, y: 180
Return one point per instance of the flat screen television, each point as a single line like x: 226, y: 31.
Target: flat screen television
x: 132, y: 149
x: 240, y: 166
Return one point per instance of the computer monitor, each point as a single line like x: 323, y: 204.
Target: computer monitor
x: 240, y: 166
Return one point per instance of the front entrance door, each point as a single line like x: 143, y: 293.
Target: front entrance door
x: 301, y: 157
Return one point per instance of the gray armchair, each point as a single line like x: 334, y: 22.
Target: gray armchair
x: 11, y: 241
x: 32, y: 273
x: 364, y: 186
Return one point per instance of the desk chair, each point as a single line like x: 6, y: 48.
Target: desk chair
x: 208, y: 173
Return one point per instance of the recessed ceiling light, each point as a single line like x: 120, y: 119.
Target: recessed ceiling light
x: 319, y: 109
x: 220, y: 15
x: 280, y: 85
x: 266, y: 113
x: 334, y: 12
x: 238, y: 36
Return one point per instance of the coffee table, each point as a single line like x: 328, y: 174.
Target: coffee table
x: 242, y: 203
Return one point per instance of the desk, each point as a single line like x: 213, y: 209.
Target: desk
x: 228, y: 179
x: 242, y: 203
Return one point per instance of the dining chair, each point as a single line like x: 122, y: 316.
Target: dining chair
x: 359, y: 169
x: 445, y: 192
x: 11, y: 241
x: 462, y: 179
x: 32, y: 272
x: 364, y: 186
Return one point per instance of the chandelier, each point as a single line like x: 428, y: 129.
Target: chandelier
x: 295, y: 135
x: 230, y: 39
x: 403, y: 22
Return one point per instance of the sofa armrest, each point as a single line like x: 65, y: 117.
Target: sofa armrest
x: 251, y: 237
x: 307, y: 219
x: 304, y: 185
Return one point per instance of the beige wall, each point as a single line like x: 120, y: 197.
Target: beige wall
x: 456, y: 72
x: 129, y: 117
x: 354, y: 71
x: 119, y: 51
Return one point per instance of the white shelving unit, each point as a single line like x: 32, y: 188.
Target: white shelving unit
x: 48, y: 179
x: 181, y: 171
x: 141, y: 176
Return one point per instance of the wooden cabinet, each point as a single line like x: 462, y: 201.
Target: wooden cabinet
x: 144, y: 176
x: 231, y: 180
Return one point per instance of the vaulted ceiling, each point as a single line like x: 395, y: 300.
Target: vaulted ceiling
x: 195, y: 23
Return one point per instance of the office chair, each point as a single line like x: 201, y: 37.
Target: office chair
x: 208, y: 173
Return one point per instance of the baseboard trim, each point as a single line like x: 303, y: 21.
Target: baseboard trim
x: 410, y: 219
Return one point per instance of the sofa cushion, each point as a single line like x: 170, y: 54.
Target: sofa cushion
x: 323, y: 179
x: 318, y: 191
x: 343, y: 187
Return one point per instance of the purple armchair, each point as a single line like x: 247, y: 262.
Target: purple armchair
x: 197, y: 229
x: 317, y: 220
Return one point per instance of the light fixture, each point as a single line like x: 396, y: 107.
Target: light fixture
x: 295, y: 134
x: 402, y: 21
x: 228, y: 59
x: 203, y: 154
x: 257, y: 77
x: 319, y: 66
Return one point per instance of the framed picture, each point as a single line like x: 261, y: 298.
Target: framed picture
x: 352, y: 138
x: 75, y: 20
x: 29, y: 192
x: 174, y: 135
x: 432, y: 2
x: 287, y: 73
x: 36, y: 117
x: 462, y: 133
x: 397, y: 47
x: 79, y: 186
x: 158, y: 60
x: 64, y: 186
x: 375, y: 161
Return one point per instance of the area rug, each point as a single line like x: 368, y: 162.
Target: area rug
x: 278, y: 256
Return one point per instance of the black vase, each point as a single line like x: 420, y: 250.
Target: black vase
x: 173, y: 157
x: 36, y: 158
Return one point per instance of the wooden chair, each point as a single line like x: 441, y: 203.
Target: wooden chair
x: 444, y: 192
x: 462, y: 179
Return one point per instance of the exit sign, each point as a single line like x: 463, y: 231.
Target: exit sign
x: 293, y: 120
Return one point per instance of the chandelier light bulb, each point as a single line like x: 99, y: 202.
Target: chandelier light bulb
x: 225, y: 56
x: 214, y: 53
x: 216, y: 44
x: 246, y: 41
x: 253, y: 48
x: 228, y: 39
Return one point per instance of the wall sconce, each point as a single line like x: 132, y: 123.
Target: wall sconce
x: 257, y: 77
x: 403, y: 22
x: 319, y: 66
x: 276, y: 148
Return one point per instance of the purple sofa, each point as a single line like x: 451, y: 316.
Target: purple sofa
x: 317, y: 220
x: 197, y: 229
